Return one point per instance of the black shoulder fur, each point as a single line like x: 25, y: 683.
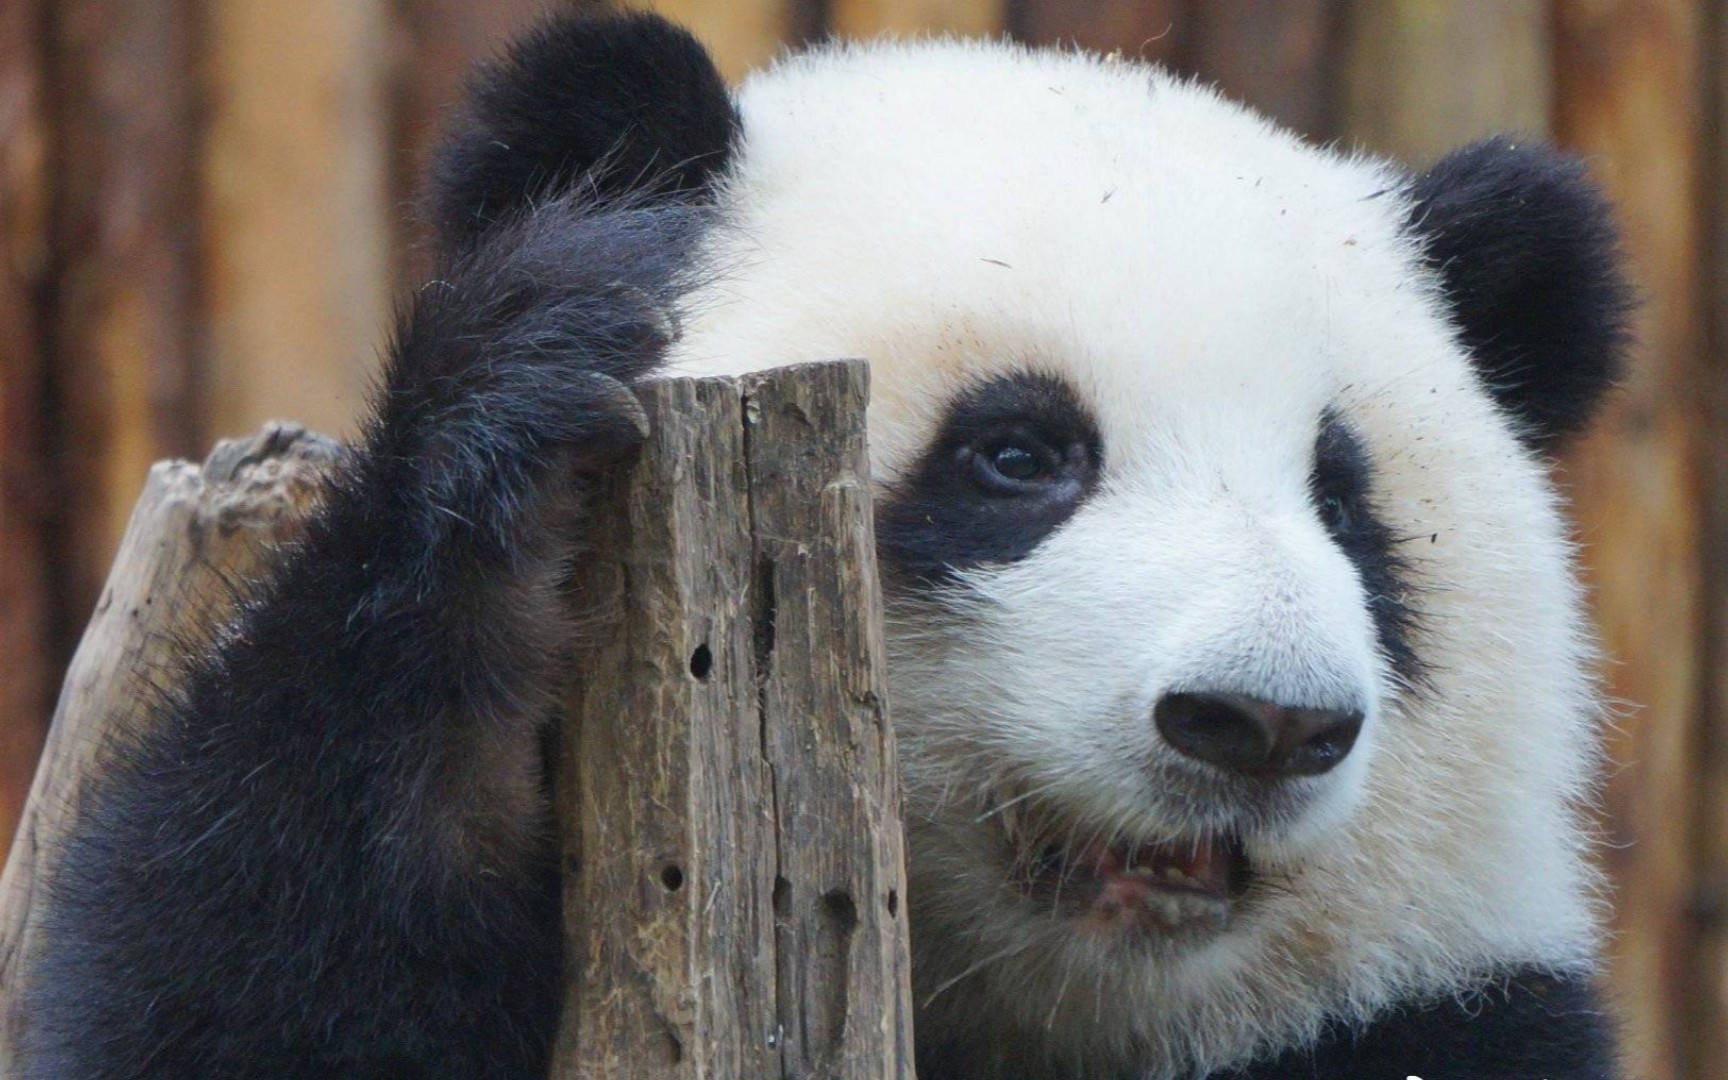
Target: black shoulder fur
x: 329, y: 856
x: 1526, y: 1026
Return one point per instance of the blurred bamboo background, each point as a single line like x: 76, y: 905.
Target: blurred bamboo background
x: 206, y: 212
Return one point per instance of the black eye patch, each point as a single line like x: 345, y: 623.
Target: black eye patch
x: 1341, y: 489
x: 1013, y: 459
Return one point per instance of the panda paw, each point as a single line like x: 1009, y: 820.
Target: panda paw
x: 510, y: 389
x: 612, y: 425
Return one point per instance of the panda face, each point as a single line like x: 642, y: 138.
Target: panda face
x: 1239, y: 673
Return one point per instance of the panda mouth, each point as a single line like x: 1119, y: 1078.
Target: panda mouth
x: 1126, y: 885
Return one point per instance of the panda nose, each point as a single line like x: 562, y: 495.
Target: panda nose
x: 1245, y: 735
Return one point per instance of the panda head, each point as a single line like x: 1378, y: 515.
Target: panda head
x: 1239, y: 669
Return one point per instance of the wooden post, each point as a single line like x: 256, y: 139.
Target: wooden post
x: 25, y: 611
x: 728, y: 790
x: 296, y: 233
x: 193, y: 531
x: 124, y: 251
x: 742, y: 35
x: 1402, y: 91
x: 867, y: 18
x: 1275, y: 55
x: 1706, y: 991
x: 436, y: 43
x: 1155, y: 30
x: 1628, y: 95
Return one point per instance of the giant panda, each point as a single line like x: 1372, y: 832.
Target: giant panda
x: 1242, y: 685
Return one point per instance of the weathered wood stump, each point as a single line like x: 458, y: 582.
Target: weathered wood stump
x: 195, y: 532
x: 730, y: 804
x: 728, y: 797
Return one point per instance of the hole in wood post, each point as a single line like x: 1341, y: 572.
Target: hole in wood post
x: 841, y: 911
x: 673, y: 878
x: 893, y: 903
x: 701, y: 662
x: 831, y: 963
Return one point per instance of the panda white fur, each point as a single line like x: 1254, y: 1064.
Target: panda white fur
x: 1241, y: 681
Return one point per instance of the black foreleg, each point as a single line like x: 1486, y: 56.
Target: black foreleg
x: 329, y: 855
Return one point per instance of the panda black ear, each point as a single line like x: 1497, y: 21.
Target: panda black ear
x: 618, y: 104
x: 1525, y: 248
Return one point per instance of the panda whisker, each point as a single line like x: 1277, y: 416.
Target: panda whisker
x: 1061, y: 992
x: 1017, y: 800
x: 1098, y: 998
x: 1013, y: 949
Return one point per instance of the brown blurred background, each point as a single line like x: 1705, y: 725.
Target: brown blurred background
x: 206, y: 214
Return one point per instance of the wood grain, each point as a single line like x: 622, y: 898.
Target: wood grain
x: 297, y: 235
x: 1420, y: 77
x: 25, y: 486
x: 728, y: 795
x: 669, y: 854
x: 124, y: 265
x: 194, y: 531
x: 843, y: 961
x: 1628, y: 87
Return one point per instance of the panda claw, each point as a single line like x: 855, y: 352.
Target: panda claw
x: 615, y: 424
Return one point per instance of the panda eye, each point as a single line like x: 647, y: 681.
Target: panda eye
x: 1012, y: 459
x: 1337, y: 512
x: 1339, y: 481
x: 1016, y: 465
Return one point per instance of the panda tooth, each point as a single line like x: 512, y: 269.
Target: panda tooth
x: 1168, y: 909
